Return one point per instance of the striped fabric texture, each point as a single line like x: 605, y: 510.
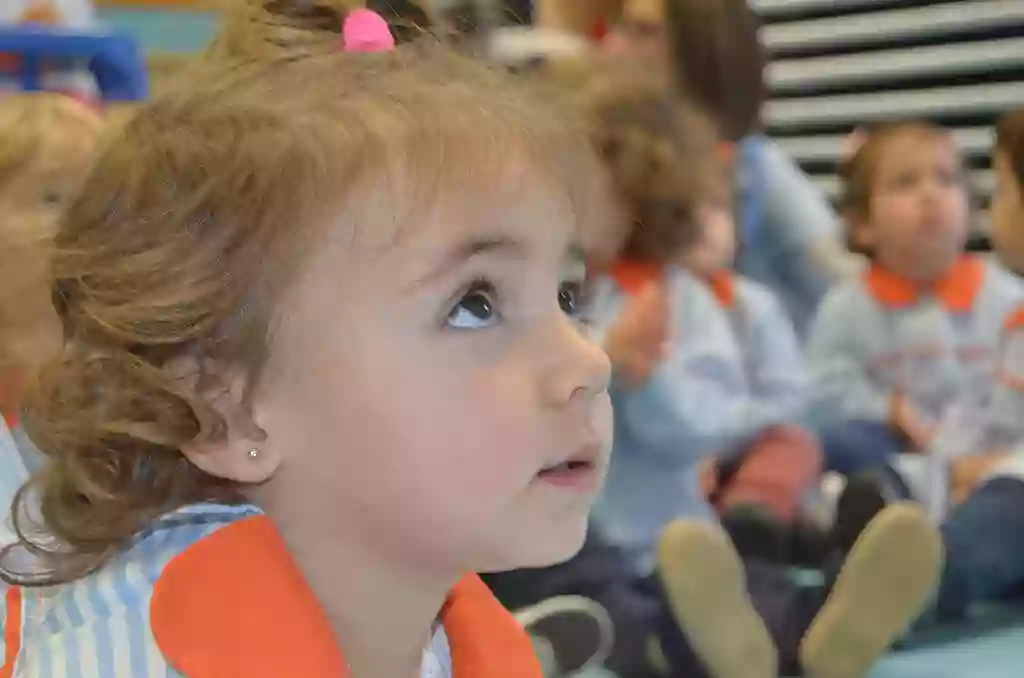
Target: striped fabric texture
x: 12, y: 476
x: 98, y: 627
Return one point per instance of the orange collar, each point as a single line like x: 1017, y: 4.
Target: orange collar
x: 723, y: 286
x: 235, y: 605
x: 956, y: 290
x: 634, y: 276
x: 12, y: 383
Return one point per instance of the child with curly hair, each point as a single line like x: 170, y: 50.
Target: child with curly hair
x: 321, y: 365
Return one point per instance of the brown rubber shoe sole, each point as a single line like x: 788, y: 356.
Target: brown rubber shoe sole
x: 887, y: 579
x: 705, y: 586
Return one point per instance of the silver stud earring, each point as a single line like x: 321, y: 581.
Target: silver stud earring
x: 254, y: 452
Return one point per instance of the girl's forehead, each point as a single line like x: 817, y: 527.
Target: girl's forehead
x: 644, y: 11
x: 922, y: 142
x: 914, y: 148
x: 523, y: 204
x: 512, y: 194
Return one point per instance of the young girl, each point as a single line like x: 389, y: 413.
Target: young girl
x: 320, y: 364
x: 984, y: 530
x: 681, y: 581
x: 893, y: 349
x: 47, y: 142
x: 731, y: 385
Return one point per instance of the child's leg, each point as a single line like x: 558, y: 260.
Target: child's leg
x: 984, y: 539
x: 885, y: 582
x: 778, y: 469
x: 854, y: 446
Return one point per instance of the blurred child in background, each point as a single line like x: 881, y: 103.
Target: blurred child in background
x: 790, y: 238
x: 730, y: 385
x: 891, y: 350
x: 984, y: 530
x: 47, y: 142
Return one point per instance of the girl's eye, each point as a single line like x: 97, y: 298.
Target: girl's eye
x: 906, y: 180
x: 475, y: 310
x: 570, y: 298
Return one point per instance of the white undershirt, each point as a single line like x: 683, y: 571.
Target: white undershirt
x: 437, y: 656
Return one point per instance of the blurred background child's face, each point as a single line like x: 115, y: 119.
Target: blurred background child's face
x: 36, y: 187
x: 715, y: 250
x: 39, y: 193
x: 640, y: 35
x: 919, y: 209
x: 1008, y: 215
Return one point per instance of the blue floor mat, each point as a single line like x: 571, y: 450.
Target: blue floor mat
x: 987, y: 651
x: 997, y: 653
x: 992, y: 646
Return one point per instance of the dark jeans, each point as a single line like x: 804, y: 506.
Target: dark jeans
x: 639, y: 611
x: 854, y: 446
x: 984, y: 539
x: 600, y: 573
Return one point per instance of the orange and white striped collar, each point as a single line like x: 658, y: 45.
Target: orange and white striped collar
x: 222, y: 598
x: 239, y: 588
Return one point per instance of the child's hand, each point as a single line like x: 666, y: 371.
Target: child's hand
x: 636, y: 342
x: 905, y: 419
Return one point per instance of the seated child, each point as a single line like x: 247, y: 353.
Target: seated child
x: 47, y: 142
x: 984, y: 533
x: 984, y: 529
x: 729, y: 390
x: 891, y: 350
x: 270, y: 452
x: 680, y: 581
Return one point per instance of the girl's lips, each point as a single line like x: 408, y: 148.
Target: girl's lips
x: 582, y: 471
x: 573, y: 475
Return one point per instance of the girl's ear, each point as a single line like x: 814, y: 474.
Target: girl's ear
x: 232, y: 446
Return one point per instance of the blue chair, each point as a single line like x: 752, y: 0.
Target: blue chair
x: 114, y: 60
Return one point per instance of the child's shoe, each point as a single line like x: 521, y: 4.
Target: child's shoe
x: 885, y: 582
x: 570, y: 634
x: 706, y: 588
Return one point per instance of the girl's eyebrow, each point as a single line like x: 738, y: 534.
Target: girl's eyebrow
x: 470, y: 248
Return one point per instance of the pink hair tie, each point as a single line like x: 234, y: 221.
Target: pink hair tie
x: 366, y: 31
